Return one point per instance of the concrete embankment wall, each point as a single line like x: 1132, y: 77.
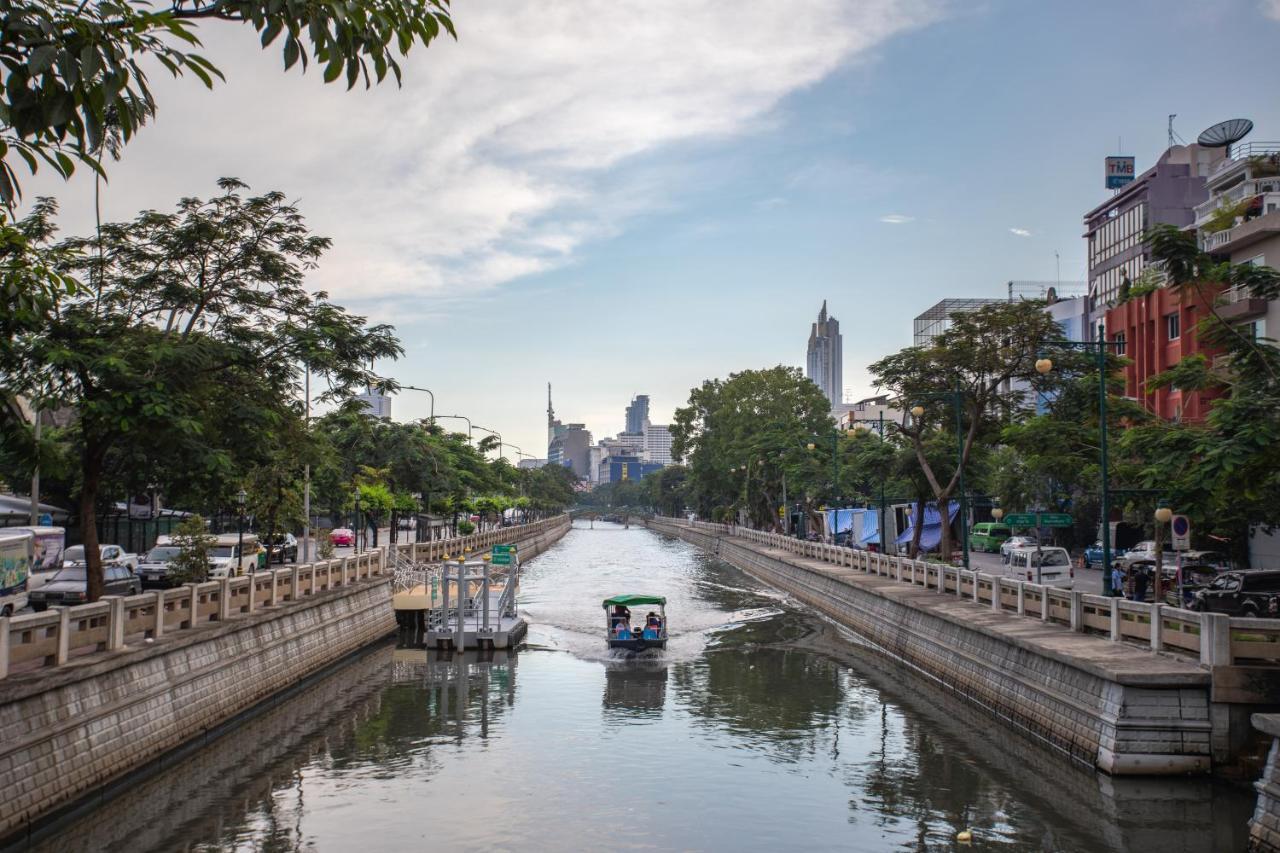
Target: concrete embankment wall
x: 1132, y: 713
x: 1264, y: 829
x: 69, y: 731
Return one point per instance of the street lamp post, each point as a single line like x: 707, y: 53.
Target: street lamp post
x: 359, y: 523
x: 1163, y: 516
x: 241, y: 498
x: 1043, y: 366
x: 460, y: 418
x: 495, y: 433
x: 957, y: 398
x: 425, y: 391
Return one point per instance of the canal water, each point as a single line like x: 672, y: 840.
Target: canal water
x: 762, y: 728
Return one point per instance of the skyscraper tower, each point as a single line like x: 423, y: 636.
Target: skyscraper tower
x: 638, y: 414
x: 825, y: 358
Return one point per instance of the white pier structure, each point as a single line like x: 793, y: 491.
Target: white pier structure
x: 463, y: 603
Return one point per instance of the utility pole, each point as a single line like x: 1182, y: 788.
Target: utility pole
x: 306, y: 474
x: 35, y: 474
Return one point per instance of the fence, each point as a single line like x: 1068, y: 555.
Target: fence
x: 32, y: 641
x: 1216, y: 638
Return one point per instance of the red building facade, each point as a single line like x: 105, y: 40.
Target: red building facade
x: 1158, y: 330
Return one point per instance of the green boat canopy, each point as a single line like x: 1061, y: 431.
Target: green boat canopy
x: 633, y: 599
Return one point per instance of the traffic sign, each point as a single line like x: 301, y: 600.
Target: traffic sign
x: 1020, y: 519
x: 46, y: 519
x: 502, y: 555
x: 1055, y: 519
x: 1181, y: 527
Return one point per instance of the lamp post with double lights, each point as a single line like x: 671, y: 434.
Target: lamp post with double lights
x: 359, y: 522
x: 241, y: 498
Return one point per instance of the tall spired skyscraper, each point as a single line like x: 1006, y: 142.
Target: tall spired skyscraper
x: 825, y: 357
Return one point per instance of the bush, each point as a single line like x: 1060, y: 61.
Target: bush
x: 324, y: 545
x: 192, y: 563
x: 466, y: 528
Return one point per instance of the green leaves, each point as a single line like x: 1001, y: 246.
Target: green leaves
x: 74, y: 72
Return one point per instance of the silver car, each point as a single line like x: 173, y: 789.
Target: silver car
x: 1014, y: 542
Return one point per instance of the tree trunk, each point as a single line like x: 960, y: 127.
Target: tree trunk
x: 917, y: 527
x: 944, y: 512
x: 91, y: 471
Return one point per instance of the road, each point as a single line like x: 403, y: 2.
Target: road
x: 1087, y: 580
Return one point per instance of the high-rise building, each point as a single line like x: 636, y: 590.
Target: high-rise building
x: 638, y: 414
x: 937, y: 319
x: 572, y: 449
x: 657, y: 444
x: 375, y: 404
x: 825, y: 359
x: 1167, y: 193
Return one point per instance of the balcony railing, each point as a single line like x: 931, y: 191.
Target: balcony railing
x: 1246, y: 151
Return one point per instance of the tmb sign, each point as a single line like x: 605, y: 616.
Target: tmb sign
x: 1120, y: 171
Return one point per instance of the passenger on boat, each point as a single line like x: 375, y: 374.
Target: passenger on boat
x: 622, y: 631
x: 652, y: 627
x: 621, y: 616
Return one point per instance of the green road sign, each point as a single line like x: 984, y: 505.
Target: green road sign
x: 1020, y: 519
x: 502, y: 555
x: 1055, y: 519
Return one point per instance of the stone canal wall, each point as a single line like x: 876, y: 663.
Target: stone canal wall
x: 89, y: 714
x: 1117, y: 707
x: 1264, y: 829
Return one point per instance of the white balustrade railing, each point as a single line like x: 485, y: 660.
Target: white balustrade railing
x: 1215, y: 638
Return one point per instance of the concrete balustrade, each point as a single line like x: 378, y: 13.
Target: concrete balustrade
x: 1217, y: 640
x: 32, y: 641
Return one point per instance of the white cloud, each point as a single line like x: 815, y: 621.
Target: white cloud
x: 897, y: 219
x: 497, y: 158
x: 1019, y: 232
x: 771, y: 203
x: 1271, y: 8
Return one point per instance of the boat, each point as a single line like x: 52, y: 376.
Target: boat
x: 640, y: 635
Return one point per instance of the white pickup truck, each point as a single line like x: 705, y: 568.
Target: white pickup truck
x: 112, y: 555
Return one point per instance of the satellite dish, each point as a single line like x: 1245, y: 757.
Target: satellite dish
x: 1224, y: 133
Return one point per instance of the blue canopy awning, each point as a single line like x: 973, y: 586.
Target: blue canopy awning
x: 931, y: 532
x: 864, y: 523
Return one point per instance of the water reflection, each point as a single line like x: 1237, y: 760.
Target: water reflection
x: 762, y: 728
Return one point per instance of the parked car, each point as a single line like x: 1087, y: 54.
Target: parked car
x: 342, y: 536
x: 70, y: 586
x: 1255, y: 593
x: 1050, y: 566
x: 227, y: 559
x: 988, y: 536
x: 1008, y: 546
x: 111, y: 555
x: 1146, y: 550
x: 153, y: 571
x: 1093, y: 555
x: 283, y: 546
x: 1194, y: 579
x: 1217, y: 559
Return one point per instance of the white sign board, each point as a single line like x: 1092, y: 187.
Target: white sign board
x: 1180, y: 526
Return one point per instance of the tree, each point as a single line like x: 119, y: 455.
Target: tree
x: 72, y: 69
x: 744, y: 436
x: 188, y: 319
x: 195, y: 545
x: 979, y: 361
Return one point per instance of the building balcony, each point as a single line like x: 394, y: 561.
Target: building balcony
x: 1239, y: 304
x: 1235, y: 195
x: 1248, y: 232
x: 1241, y: 156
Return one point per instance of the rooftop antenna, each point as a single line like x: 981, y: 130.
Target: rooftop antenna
x: 1174, y: 137
x: 1224, y: 134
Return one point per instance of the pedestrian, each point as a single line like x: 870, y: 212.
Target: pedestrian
x: 1140, y: 584
x: 1117, y: 580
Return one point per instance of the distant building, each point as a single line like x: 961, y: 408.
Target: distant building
x: 657, y: 444
x: 531, y: 463
x: 377, y: 405
x: 867, y: 413
x: 572, y: 449
x: 937, y: 319
x: 638, y: 414
x: 1167, y: 193
x: 1070, y: 312
x: 616, y: 469
x: 824, y: 361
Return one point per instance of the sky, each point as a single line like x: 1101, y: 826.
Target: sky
x: 623, y: 197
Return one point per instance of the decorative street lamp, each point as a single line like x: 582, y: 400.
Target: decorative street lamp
x: 997, y: 513
x: 241, y: 498
x: 1163, y: 516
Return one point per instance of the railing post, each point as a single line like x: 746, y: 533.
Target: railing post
x: 4, y: 646
x: 63, y: 649
x: 1044, y: 603
x: 194, y: 615
x: 115, y: 622
x: 157, y: 629
x: 253, y: 590
x: 975, y: 586
x: 293, y: 581
x: 224, y: 599
x: 897, y: 564
x: 1077, y: 610
x: 1215, y: 639
x: 1157, y: 626
x: 1115, y: 619
x: 273, y: 597
x: 1022, y: 598
x: 959, y: 583
x: 997, y: 595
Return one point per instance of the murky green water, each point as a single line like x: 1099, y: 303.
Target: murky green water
x: 761, y: 728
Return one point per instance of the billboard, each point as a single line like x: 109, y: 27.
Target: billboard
x: 1120, y: 171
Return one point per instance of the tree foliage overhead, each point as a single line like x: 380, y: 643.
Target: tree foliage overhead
x: 71, y: 69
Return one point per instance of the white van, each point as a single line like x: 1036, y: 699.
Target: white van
x: 1049, y: 566
x: 46, y: 556
x: 17, y: 551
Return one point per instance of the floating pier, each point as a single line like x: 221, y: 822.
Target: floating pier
x: 468, y: 602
